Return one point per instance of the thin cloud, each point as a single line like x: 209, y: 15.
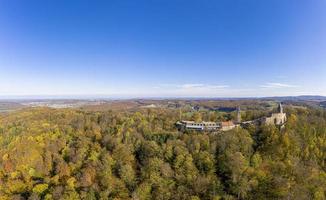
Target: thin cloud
x: 191, y: 85
x: 277, y: 85
x: 202, y: 86
x: 218, y: 86
x: 188, y: 86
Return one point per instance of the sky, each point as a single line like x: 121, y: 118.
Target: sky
x: 162, y: 48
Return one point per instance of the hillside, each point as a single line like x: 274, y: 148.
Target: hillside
x: 71, y: 154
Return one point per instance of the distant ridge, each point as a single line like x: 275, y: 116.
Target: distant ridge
x: 112, y: 97
x: 299, y: 98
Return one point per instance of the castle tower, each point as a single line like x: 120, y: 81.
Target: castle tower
x: 280, y: 108
x: 238, y: 115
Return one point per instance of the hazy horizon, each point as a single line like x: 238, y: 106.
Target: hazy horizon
x: 113, y: 97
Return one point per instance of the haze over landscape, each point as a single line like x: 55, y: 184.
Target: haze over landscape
x: 162, y: 48
x: 162, y: 100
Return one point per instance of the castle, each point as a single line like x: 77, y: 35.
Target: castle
x: 198, y: 126
x: 206, y: 126
x: 277, y: 119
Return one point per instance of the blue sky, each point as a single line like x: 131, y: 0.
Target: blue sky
x: 169, y: 48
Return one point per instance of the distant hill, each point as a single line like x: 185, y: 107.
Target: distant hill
x: 323, y: 104
x: 219, y: 104
x: 299, y: 98
x: 6, y: 106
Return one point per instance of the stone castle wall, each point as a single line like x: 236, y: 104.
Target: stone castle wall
x: 276, y: 118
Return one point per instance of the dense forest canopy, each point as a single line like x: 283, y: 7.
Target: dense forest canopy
x: 74, y: 154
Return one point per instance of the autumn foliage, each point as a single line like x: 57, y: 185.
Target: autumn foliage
x: 74, y: 154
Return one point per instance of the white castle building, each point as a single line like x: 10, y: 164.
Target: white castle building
x: 210, y: 126
x: 198, y: 126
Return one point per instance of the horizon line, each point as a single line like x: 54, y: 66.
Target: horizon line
x: 126, y: 97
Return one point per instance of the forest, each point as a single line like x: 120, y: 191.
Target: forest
x: 73, y: 154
